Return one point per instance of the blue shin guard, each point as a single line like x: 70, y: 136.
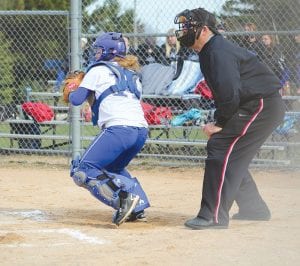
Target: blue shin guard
x: 138, y: 190
x: 103, y: 185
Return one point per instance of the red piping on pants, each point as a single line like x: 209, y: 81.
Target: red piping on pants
x: 216, y: 212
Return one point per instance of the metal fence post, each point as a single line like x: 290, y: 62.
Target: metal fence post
x: 75, y: 32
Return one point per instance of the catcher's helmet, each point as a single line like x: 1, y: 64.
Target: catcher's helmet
x: 107, y: 46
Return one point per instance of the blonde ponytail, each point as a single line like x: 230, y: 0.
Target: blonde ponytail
x: 129, y: 62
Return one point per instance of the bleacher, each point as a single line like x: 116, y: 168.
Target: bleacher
x: 166, y: 143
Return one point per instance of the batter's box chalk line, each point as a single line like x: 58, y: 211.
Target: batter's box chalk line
x: 36, y: 215
x: 76, y: 234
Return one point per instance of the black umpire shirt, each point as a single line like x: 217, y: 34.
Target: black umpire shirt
x: 235, y: 76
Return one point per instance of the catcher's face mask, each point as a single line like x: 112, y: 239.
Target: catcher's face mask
x: 98, y: 53
x: 187, y: 28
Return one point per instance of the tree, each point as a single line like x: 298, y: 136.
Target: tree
x: 26, y: 42
x: 109, y: 17
x: 7, y: 77
x: 34, y: 5
x: 12, y: 5
x: 6, y: 63
x: 266, y: 14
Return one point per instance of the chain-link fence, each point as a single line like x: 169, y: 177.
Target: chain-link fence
x: 35, y: 57
x: 34, y: 50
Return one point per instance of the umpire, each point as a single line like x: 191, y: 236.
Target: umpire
x: 248, y: 108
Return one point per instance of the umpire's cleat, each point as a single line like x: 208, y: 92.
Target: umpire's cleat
x: 262, y: 216
x: 198, y: 223
x: 137, y: 217
x: 127, y: 205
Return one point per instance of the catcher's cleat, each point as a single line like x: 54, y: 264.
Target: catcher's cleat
x: 137, y: 217
x: 127, y: 205
x: 198, y: 223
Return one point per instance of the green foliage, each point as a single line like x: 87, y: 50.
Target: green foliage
x: 35, y: 39
x: 266, y: 14
x: 12, y: 5
x: 34, y: 5
x: 109, y: 17
x: 8, y: 92
x: 6, y: 62
x: 32, y: 42
x: 7, y: 96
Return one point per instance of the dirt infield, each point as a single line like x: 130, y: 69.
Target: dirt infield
x: 45, y: 219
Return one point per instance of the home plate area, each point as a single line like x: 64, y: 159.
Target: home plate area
x: 27, y: 237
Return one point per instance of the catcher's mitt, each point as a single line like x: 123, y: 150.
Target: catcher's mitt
x: 71, y: 83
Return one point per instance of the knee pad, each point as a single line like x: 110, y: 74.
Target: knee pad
x: 74, y: 165
x: 79, y: 178
x: 103, y: 185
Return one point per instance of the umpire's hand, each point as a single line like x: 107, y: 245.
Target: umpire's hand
x: 210, y: 129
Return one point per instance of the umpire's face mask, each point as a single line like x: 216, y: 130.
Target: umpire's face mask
x: 187, y: 28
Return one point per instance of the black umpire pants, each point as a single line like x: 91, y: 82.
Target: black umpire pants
x: 229, y: 153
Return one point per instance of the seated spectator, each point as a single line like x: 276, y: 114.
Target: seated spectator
x: 293, y: 61
x: 221, y: 27
x: 297, y: 63
x: 61, y: 74
x: 63, y: 68
x: 149, y: 52
x: 272, y: 56
x: 171, y: 47
x: 87, y: 52
x: 85, y: 49
x: 188, y: 54
x: 184, y: 54
x: 250, y: 41
x: 129, y: 48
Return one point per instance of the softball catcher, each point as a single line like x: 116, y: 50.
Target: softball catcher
x: 112, y: 88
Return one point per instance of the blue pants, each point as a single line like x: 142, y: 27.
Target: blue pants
x: 111, y: 152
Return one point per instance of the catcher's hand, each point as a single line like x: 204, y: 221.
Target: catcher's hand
x: 71, y: 83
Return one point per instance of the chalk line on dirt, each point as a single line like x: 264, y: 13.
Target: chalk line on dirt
x: 73, y: 233
x: 36, y: 215
x: 40, y: 216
